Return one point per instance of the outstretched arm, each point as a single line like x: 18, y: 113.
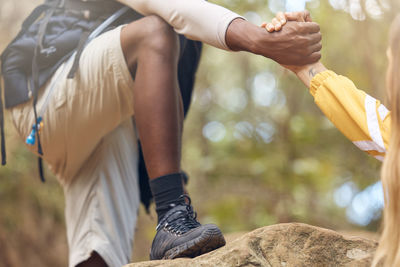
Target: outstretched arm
x: 196, y: 19
x: 360, y: 117
x: 222, y: 28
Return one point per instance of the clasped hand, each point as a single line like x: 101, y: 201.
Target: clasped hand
x: 296, y: 39
x: 278, y: 23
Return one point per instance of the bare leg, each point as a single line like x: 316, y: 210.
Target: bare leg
x: 151, y: 49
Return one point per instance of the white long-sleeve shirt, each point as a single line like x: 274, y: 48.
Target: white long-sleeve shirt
x: 196, y: 19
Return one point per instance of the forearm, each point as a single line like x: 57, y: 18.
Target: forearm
x: 196, y: 19
x: 240, y: 36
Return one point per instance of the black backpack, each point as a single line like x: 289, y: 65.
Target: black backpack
x: 51, y: 34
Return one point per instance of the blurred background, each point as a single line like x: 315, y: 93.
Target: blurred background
x: 257, y: 149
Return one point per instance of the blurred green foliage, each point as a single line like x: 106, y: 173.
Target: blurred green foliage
x: 257, y: 149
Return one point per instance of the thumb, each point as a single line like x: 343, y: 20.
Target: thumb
x: 303, y: 16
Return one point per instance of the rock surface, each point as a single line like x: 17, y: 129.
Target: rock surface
x: 284, y: 245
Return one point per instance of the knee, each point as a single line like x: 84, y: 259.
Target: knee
x: 161, y: 37
x: 148, y: 37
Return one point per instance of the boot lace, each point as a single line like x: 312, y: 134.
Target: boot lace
x: 182, y: 221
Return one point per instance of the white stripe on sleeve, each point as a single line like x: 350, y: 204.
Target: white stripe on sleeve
x: 372, y: 121
x: 383, y: 112
x: 368, y: 146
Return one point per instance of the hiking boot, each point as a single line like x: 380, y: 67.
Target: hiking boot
x: 179, y: 234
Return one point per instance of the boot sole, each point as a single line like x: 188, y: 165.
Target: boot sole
x: 209, y: 240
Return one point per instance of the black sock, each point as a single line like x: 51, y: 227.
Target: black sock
x: 166, y: 190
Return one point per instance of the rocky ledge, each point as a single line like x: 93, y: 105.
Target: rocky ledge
x: 280, y: 245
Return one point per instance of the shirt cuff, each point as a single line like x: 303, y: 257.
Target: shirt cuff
x: 319, y: 79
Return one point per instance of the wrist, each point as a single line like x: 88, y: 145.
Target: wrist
x: 240, y: 36
x: 311, y: 69
x: 308, y: 72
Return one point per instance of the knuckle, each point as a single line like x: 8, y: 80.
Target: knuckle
x: 289, y: 29
x: 317, y: 38
x: 315, y: 57
x: 302, y: 28
x: 304, y: 41
x: 293, y: 28
x: 316, y: 25
x: 296, y: 40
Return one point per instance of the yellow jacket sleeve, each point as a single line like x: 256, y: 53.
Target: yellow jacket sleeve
x: 360, y: 117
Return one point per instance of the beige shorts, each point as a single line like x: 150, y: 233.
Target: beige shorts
x: 81, y: 111
x: 102, y: 202
x: 90, y: 143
